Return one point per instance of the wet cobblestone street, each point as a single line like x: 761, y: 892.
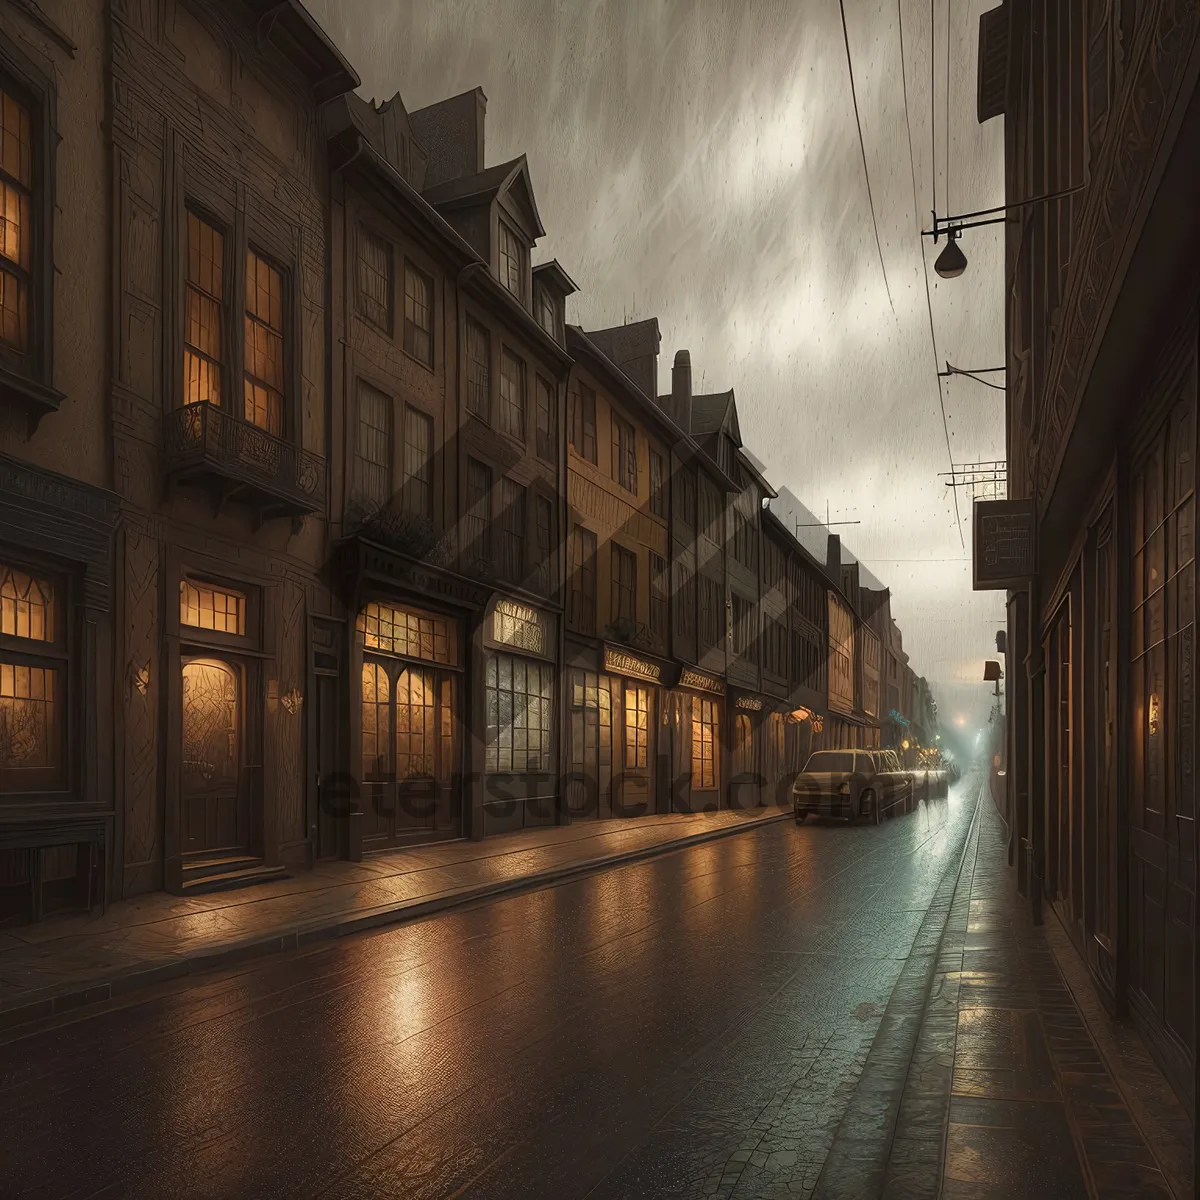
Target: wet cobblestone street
x: 773, y: 1014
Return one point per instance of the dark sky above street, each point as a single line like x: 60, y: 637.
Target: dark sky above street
x: 699, y: 163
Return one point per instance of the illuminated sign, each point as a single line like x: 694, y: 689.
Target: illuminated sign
x: 750, y: 703
x: 627, y: 664
x: 818, y: 722
x: 523, y: 628
x: 701, y: 683
x: 800, y: 714
x: 1002, y: 548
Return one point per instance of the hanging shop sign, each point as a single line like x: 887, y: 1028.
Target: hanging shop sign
x: 519, y: 627
x: 699, y: 682
x: 800, y: 714
x: 1002, y: 549
x: 748, y: 703
x: 623, y: 663
x: 895, y: 716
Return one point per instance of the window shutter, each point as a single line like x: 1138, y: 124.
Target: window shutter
x: 993, y: 62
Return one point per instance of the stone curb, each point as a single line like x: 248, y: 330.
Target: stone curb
x: 122, y: 982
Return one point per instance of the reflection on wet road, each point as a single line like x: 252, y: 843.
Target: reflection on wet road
x: 693, y: 1024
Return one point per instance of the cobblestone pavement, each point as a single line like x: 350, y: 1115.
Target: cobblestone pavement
x: 772, y: 1014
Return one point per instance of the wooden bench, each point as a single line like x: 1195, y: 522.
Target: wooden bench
x: 91, y: 833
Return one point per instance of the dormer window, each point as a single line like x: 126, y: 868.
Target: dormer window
x: 513, y: 255
x: 547, y: 312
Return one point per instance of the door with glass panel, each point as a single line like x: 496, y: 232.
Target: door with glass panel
x: 637, y: 777
x: 591, y: 718
x: 215, y: 809
x: 408, y: 746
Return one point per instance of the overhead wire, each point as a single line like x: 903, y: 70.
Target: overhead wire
x: 863, y: 150
x: 924, y: 264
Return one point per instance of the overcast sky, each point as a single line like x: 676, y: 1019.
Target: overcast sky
x: 697, y: 161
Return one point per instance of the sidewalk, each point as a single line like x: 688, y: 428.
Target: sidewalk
x: 1005, y: 1079
x: 73, y: 959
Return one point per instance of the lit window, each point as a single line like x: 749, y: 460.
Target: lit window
x: 264, y: 345
x: 706, y: 741
x: 202, y: 341
x: 637, y: 728
x: 26, y: 606
x: 203, y: 606
x: 375, y: 280
x: 418, y: 314
x: 407, y: 633
x: 31, y: 709
x: 16, y: 224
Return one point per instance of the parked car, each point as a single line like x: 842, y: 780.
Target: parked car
x: 846, y: 783
x: 898, y: 787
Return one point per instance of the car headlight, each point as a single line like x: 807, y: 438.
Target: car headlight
x: 844, y: 789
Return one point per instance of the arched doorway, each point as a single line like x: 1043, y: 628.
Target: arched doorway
x: 215, y: 815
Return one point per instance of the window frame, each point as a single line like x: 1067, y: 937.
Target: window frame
x: 545, y: 445
x: 582, y: 593
x: 30, y: 371
x: 365, y: 235
x: 521, y: 259
x: 624, y: 453
x: 56, y: 654
x: 408, y: 477
x: 478, y: 519
x: 224, y: 362
x: 493, y: 685
x: 475, y: 326
x: 514, y: 518
x: 659, y: 618
x: 411, y: 268
x: 543, y: 547
x: 658, y: 492
x: 620, y: 558
x: 583, y: 424
x: 505, y: 403
x: 287, y: 334
x: 389, y: 407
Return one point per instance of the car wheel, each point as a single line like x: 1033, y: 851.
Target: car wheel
x: 875, y: 814
x: 800, y: 815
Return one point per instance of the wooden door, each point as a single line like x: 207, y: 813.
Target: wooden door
x: 409, y: 748
x: 638, y: 728
x: 326, y: 720
x: 1162, y: 862
x: 214, y: 809
x: 591, y: 750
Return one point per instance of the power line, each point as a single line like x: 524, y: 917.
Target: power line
x: 863, y: 149
x: 924, y: 265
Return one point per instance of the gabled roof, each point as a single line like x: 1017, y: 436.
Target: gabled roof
x: 554, y: 275
x: 716, y: 412
x: 756, y: 469
x: 485, y: 186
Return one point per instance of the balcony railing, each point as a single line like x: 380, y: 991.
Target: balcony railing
x: 202, y: 443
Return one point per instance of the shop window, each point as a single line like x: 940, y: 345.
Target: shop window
x: 415, y: 700
x: 418, y: 314
x: 411, y: 634
x: 372, y: 451
x: 743, y: 745
x: 264, y: 365
x: 591, y: 738
x: 706, y: 743
x: 376, y: 707
x: 203, y: 339
x: 479, y: 370
x: 205, y: 606
x: 375, y: 280
x: 637, y: 728
x: 519, y: 696
x: 32, y: 678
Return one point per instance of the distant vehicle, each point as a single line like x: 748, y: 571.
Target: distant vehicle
x: 850, y: 784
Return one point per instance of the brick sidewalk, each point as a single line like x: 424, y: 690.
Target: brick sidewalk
x: 73, y: 959
x: 1001, y: 1091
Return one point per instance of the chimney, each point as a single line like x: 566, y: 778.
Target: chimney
x: 833, y: 557
x: 451, y: 135
x: 681, y: 390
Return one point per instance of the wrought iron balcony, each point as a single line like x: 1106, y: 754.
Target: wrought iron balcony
x: 236, y: 459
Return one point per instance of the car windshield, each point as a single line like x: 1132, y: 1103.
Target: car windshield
x: 837, y: 761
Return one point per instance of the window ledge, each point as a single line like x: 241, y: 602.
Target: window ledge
x: 36, y: 397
